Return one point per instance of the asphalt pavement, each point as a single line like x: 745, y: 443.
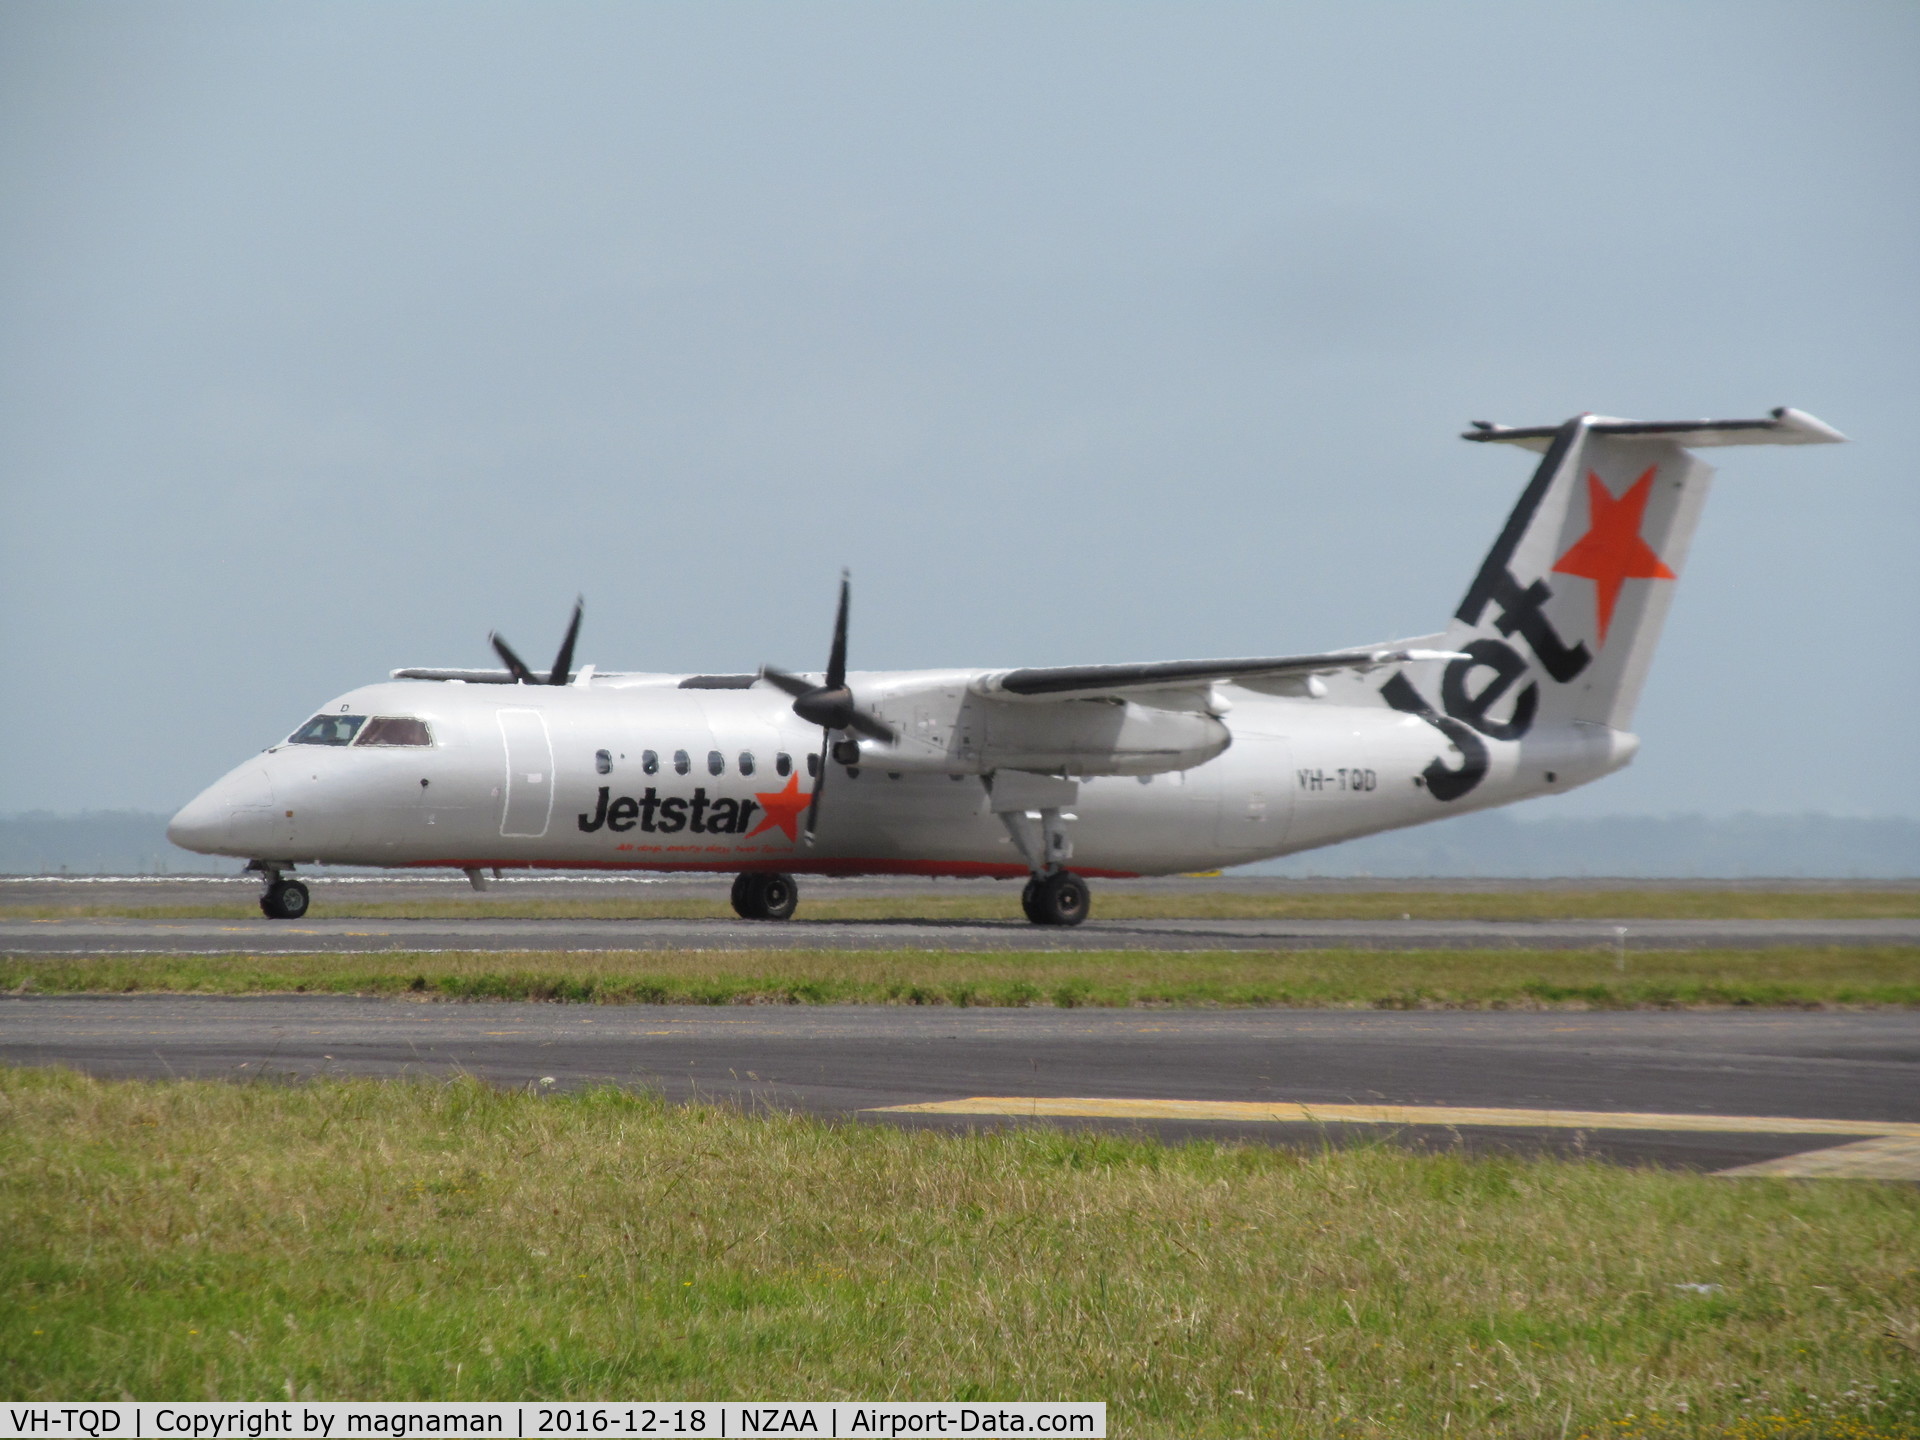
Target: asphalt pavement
x: 321, y: 932
x: 319, y: 936
x: 1703, y: 1090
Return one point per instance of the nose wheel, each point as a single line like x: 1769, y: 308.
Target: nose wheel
x: 284, y: 900
x: 1059, y: 898
x: 761, y: 896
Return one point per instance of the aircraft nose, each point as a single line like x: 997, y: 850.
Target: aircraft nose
x: 232, y: 812
x: 201, y: 825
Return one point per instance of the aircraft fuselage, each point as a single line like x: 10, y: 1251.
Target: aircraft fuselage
x: 1106, y: 770
x: 637, y: 773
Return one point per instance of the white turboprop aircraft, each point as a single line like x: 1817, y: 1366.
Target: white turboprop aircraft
x: 1123, y: 770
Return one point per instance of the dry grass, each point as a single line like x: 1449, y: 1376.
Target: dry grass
x: 343, y: 1239
x: 1109, y: 904
x: 1580, y: 979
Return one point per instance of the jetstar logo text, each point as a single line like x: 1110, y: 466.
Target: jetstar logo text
x: 1472, y: 688
x: 669, y: 816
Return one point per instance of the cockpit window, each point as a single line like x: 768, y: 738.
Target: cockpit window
x: 328, y: 730
x: 395, y: 730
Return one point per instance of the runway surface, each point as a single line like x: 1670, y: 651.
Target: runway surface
x: 415, y: 936
x: 202, y: 937
x: 322, y: 933
x: 1710, y: 1091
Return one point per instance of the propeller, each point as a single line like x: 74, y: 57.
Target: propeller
x: 562, y: 671
x: 829, y: 705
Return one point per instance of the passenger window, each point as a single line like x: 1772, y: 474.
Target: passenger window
x: 603, y: 761
x: 783, y: 764
x: 395, y: 730
x: 716, y: 763
x: 328, y: 730
x: 649, y: 762
x: 746, y: 762
x: 813, y: 766
x: 682, y: 762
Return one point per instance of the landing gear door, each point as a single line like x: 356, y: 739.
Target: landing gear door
x: 529, y: 788
x: 1256, y: 795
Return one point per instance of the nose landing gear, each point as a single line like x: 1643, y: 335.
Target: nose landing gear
x: 283, y: 900
x: 761, y: 896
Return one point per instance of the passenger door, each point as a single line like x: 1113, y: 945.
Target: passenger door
x: 529, y: 794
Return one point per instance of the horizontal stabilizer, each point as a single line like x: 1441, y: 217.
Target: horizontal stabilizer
x: 1783, y: 426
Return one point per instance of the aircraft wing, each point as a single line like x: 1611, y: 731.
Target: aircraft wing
x: 470, y: 677
x: 1083, y: 682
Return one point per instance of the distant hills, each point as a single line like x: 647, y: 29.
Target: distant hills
x: 133, y: 842
x: 1500, y: 843
x: 98, y: 842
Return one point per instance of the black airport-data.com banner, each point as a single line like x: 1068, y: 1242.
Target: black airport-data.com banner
x: 552, y: 1420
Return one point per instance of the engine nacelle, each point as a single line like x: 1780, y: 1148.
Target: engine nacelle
x: 963, y: 733
x: 1099, y: 737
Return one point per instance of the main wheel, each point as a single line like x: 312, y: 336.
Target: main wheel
x: 284, y: 900
x: 1061, y: 898
x: 779, y: 896
x: 1027, y: 897
x: 760, y: 896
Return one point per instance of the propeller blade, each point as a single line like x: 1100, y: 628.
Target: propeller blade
x: 826, y: 708
x: 819, y: 784
x: 792, y: 684
x: 515, y: 665
x: 837, y: 659
x: 871, y: 726
x: 563, y: 662
x: 830, y: 706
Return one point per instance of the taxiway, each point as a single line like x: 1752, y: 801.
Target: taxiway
x: 326, y: 933
x: 1695, y: 1089
x: 320, y: 936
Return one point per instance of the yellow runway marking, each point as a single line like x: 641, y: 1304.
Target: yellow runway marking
x: 1288, y: 1112
x: 1890, y: 1157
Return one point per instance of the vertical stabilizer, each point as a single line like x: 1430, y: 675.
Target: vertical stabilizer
x: 1564, y: 614
x: 1568, y: 606
x: 1559, y: 626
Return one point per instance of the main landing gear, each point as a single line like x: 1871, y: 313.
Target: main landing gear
x: 283, y: 899
x: 1059, y: 898
x: 758, y: 895
x: 1033, y: 809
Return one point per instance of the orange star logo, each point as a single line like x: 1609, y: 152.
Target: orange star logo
x: 784, y: 808
x: 1612, y: 551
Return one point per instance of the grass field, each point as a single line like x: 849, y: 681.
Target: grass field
x: 1581, y: 979
x: 1109, y: 904
x: 195, y: 1240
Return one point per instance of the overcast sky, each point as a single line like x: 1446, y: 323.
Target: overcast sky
x: 333, y: 336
